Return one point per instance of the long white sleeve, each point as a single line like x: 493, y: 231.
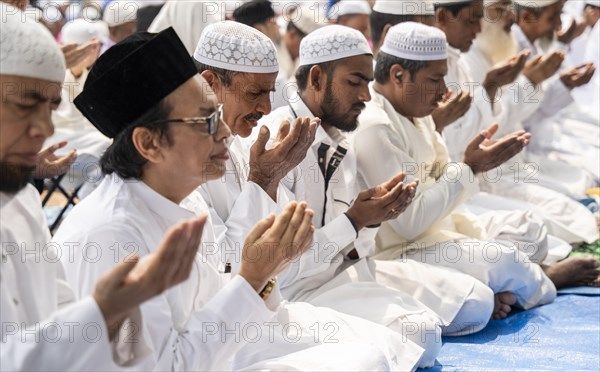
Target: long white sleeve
x: 184, y: 332
x: 379, y: 159
x: 74, y: 338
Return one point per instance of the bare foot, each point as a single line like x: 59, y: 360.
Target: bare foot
x: 574, y: 271
x: 502, y: 304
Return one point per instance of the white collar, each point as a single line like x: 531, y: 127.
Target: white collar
x: 452, y: 51
x: 172, y: 213
x: 522, y: 39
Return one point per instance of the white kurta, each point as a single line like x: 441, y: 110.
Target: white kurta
x: 285, y: 86
x: 433, y: 229
x: 42, y: 327
x: 480, y: 115
x: 210, y: 321
x: 553, y: 134
x: 189, y: 18
x: 70, y: 124
x: 566, y: 219
x: 327, y: 277
x: 236, y: 205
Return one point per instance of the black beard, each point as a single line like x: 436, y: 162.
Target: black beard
x: 13, y: 177
x: 330, y: 115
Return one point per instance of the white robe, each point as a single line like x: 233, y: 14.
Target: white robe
x: 189, y: 18
x: 566, y: 219
x: 237, y: 205
x: 285, y: 85
x: 42, y: 327
x: 433, y: 229
x: 70, y: 124
x: 210, y: 321
x: 552, y: 126
x: 327, y: 277
x: 480, y: 115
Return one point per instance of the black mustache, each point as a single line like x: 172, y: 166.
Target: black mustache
x: 359, y: 106
x: 251, y: 117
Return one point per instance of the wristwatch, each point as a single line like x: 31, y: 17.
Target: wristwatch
x: 266, y: 291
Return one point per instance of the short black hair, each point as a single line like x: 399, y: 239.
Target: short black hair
x: 122, y: 157
x: 386, y: 61
x: 379, y: 20
x: 254, y: 12
x: 303, y: 71
x: 226, y: 76
x: 521, y: 8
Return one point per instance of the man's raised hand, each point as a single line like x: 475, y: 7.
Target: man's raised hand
x: 452, y: 109
x: 539, y: 68
x: 269, y: 166
x: 274, y: 242
x: 382, y: 203
x: 578, y: 75
x: 484, y: 153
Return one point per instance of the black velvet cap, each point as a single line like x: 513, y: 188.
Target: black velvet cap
x: 133, y: 76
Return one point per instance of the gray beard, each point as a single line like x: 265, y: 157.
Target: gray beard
x: 14, y: 178
x: 495, y: 43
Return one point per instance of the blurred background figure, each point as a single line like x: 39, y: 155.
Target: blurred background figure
x: 121, y: 19
x: 352, y: 13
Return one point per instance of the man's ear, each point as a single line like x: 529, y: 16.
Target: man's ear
x: 399, y: 74
x: 214, y: 82
x: 148, y: 144
x: 212, y: 79
x: 316, y: 78
x: 441, y: 17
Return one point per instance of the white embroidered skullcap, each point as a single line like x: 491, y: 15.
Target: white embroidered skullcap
x: 346, y: 7
x: 404, y: 7
x: 27, y: 48
x: 535, y: 3
x: 415, y: 41
x: 331, y: 43
x: 595, y: 3
x: 308, y: 18
x: 118, y: 13
x: 80, y: 31
x: 236, y: 47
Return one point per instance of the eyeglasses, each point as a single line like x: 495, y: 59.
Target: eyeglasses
x: 212, y: 121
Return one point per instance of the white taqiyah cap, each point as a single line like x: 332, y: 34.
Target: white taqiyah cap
x: 331, y: 43
x: 307, y: 18
x: 80, y: 31
x: 346, y: 7
x: 404, y: 7
x: 27, y: 48
x: 535, y: 3
x: 416, y: 42
x: 236, y: 47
